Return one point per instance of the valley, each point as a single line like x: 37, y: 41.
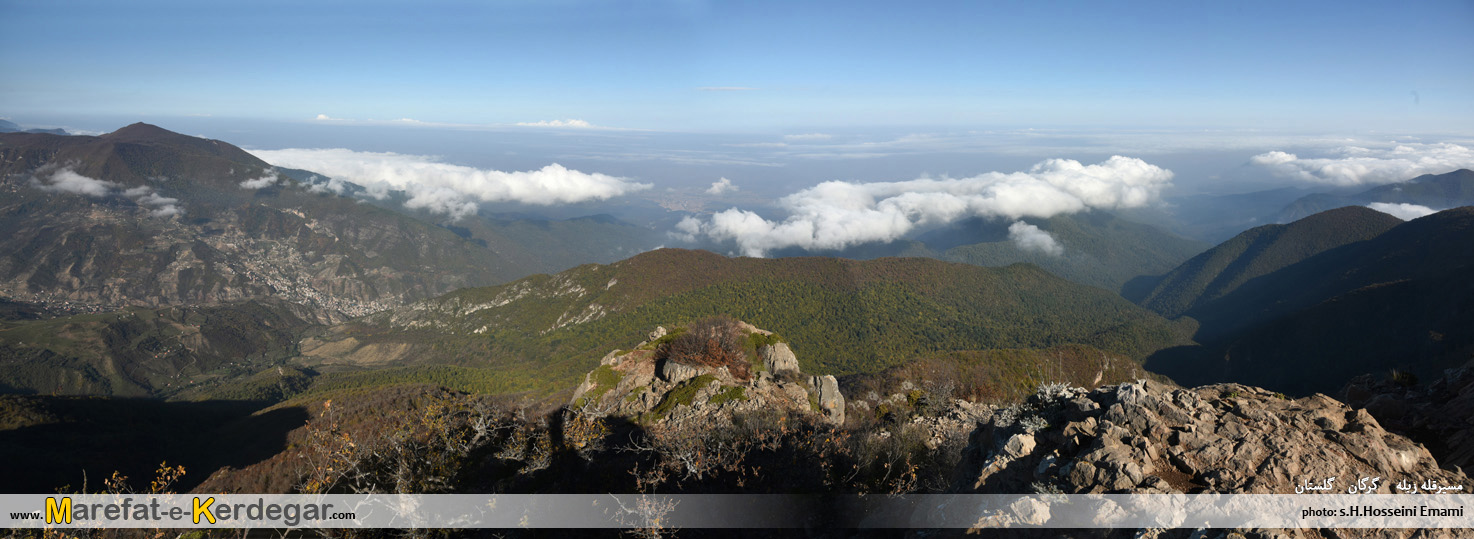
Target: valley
x: 291, y: 321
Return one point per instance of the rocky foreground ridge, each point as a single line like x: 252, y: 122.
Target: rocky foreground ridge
x: 1440, y: 413
x: 1153, y: 438
x: 724, y: 407
x: 1143, y: 437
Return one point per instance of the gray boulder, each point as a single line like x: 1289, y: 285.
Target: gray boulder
x: 778, y: 358
x: 611, y: 358
x: 831, y: 401
x: 674, y: 373
x: 656, y: 333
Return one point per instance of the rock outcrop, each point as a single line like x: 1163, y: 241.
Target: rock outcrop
x: 831, y: 402
x: 1440, y: 414
x: 676, y: 373
x: 778, y: 358
x: 643, y: 385
x: 1152, y: 438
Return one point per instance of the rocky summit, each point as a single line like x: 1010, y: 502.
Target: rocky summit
x: 647, y: 384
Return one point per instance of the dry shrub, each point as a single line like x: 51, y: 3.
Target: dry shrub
x: 711, y: 342
x: 759, y: 451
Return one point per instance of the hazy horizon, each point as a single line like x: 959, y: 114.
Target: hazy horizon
x: 775, y: 125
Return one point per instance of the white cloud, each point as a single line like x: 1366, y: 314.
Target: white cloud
x: 326, y: 118
x: 835, y: 214
x: 1354, y: 165
x: 1406, y: 212
x: 454, y: 190
x: 1030, y: 238
x: 315, y: 184
x: 721, y: 186
x: 557, y: 123
x: 687, y: 230
x: 809, y: 136
x: 1273, y: 159
x: 68, y: 181
x: 162, y: 206
x: 267, y: 180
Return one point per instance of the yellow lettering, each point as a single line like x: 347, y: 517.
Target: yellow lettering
x: 57, y: 513
x: 203, y: 509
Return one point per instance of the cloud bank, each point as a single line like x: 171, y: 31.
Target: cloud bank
x: 721, y: 186
x: 453, y: 190
x: 315, y: 184
x: 66, y: 180
x: 836, y: 214
x: 1406, y: 212
x: 1029, y: 238
x: 1353, y: 165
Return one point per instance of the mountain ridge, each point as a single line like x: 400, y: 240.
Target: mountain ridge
x: 230, y: 211
x: 1437, y: 191
x: 1256, y: 252
x: 1400, y: 300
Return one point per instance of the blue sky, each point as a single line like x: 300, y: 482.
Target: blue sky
x: 755, y: 67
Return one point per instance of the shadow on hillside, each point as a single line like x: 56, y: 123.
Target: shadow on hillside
x: 7, y: 389
x: 1190, y: 366
x: 604, y: 469
x: 1136, y: 289
x: 74, y: 443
